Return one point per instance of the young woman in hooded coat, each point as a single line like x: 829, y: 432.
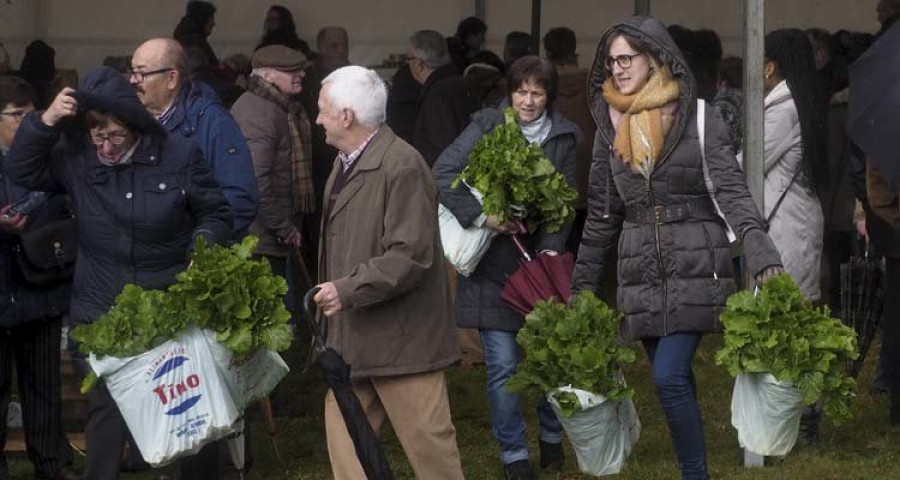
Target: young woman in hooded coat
x: 647, y: 190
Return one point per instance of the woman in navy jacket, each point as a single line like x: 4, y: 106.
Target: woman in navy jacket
x: 141, y: 198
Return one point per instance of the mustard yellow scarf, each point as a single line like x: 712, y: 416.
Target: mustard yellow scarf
x: 643, y: 129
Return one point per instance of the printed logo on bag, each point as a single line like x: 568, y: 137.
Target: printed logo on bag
x: 180, y: 395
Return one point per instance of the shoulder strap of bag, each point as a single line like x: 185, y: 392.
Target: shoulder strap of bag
x: 783, y: 194
x: 707, y: 179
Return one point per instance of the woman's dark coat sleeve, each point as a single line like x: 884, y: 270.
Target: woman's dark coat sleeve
x: 31, y: 159
x: 733, y: 197
x: 605, y: 215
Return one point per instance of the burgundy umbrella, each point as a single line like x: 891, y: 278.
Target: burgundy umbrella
x: 541, y: 278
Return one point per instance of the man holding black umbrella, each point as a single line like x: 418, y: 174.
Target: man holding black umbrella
x: 385, y: 295
x: 872, y: 125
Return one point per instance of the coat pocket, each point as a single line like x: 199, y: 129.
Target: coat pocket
x: 163, y: 197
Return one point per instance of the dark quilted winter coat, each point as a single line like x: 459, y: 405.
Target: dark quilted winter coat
x: 478, y: 303
x: 674, y: 262
x: 136, y: 222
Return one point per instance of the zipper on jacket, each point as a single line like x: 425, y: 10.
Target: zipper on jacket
x: 656, y: 237
x: 712, y: 251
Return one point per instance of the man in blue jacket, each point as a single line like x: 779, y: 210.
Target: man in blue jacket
x: 192, y: 109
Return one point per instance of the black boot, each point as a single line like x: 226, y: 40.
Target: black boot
x: 552, y: 455
x: 809, y: 425
x: 520, y: 470
x: 895, y: 408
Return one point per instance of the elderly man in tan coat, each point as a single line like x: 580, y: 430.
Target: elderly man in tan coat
x: 385, y: 294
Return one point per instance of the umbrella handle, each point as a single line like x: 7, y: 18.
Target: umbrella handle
x: 319, y: 330
x: 521, y: 247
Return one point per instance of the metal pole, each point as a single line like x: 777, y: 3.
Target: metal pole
x: 754, y: 37
x: 536, y: 24
x: 754, y: 150
x: 642, y: 7
x: 479, y: 9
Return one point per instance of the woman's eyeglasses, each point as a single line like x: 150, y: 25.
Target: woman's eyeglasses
x: 115, y: 138
x: 624, y: 61
x: 16, y: 115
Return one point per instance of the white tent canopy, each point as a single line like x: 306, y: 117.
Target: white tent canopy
x: 83, y: 32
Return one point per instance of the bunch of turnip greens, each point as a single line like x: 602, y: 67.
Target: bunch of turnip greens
x: 225, y: 290
x: 513, y: 175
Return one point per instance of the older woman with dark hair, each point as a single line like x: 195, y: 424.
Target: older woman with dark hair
x: 532, y: 84
x: 141, y: 198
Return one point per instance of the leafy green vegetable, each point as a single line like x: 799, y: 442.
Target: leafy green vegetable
x: 779, y: 332
x: 574, y: 346
x: 509, y: 171
x: 224, y: 290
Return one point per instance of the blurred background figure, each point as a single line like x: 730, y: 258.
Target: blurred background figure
x: 516, y: 46
x: 444, y: 108
x: 119, y: 63
x: 333, y: 45
x: 484, y: 79
x: 572, y: 103
x: 823, y: 46
x: 196, y: 26
x: 38, y: 68
x: 280, y: 29
x: 467, y: 42
x: 729, y: 99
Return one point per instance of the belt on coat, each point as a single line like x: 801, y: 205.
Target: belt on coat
x: 698, y: 209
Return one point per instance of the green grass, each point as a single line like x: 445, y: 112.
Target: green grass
x: 864, y: 449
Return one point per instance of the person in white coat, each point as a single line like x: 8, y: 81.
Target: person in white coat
x: 795, y: 156
x: 796, y: 163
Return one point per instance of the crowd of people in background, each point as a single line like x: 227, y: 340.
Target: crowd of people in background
x: 171, y: 142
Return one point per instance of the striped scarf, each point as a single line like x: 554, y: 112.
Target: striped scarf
x: 302, y: 192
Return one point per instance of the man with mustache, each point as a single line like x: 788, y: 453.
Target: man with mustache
x: 192, y: 110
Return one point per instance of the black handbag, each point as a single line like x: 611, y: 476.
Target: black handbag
x: 48, y: 245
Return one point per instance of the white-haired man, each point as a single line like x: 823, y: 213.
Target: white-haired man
x: 385, y: 295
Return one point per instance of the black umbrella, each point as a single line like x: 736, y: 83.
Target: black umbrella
x: 336, y: 373
x: 862, y: 301
x: 872, y: 119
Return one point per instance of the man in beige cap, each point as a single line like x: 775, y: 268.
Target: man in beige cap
x: 278, y: 133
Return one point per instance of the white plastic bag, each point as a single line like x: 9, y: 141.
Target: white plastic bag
x: 463, y: 247
x: 252, y: 379
x: 766, y: 413
x: 173, y: 398
x: 602, y: 434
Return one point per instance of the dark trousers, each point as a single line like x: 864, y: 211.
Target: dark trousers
x: 836, y: 248
x: 105, y: 430
x: 34, y: 348
x: 890, y: 325
x: 671, y: 357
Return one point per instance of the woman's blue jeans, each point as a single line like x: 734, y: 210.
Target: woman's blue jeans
x: 671, y: 357
x: 501, y: 356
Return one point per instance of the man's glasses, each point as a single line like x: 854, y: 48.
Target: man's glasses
x: 624, y: 61
x: 139, y: 76
x: 16, y: 115
x: 115, y: 138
